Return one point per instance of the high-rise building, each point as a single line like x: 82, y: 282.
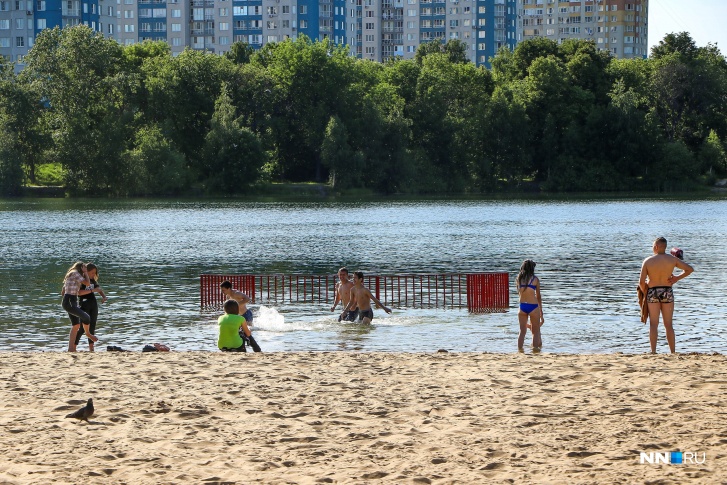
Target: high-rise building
x: 22, y: 20
x: 374, y: 29
x: 618, y: 26
x: 214, y: 25
x: 383, y: 29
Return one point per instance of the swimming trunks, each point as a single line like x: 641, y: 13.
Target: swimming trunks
x: 366, y: 313
x: 660, y: 294
x: 349, y: 316
x: 248, y: 317
x: 528, y: 307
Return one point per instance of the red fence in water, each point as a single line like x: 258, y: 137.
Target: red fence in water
x: 478, y: 292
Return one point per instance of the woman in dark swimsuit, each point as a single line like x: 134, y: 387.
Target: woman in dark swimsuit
x: 88, y: 301
x: 531, y: 305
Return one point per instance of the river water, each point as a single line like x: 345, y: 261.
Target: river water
x: 151, y: 254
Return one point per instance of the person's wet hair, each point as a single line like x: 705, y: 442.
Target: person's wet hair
x: 661, y: 241
x: 527, y: 271
x: 343, y: 270
x: 359, y: 274
x: 232, y: 307
x: 226, y: 285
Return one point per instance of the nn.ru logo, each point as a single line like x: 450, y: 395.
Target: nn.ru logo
x: 673, y: 458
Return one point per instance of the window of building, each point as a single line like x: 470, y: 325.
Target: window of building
x: 224, y: 40
x: 176, y: 27
x: 4, y: 41
x: 176, y: 41
x: 128, y: 28
x: 40, y: 24
x: 303, y: 24
x: 224, y: 26
x: 303, y: 9
x: 369, y: 26
x: 19, y: 24
x: 20, y: 42
x: 176, y: 13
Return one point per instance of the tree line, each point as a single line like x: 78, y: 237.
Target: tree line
x: 135, y: 120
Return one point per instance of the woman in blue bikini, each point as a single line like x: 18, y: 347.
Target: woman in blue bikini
x: 531, y: 305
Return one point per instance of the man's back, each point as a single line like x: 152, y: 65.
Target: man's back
x: 659, y: 268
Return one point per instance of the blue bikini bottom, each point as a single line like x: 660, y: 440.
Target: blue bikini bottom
x: 528, y: 307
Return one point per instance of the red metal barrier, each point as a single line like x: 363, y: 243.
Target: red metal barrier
x: 480, y: 293
x: 488, y: 292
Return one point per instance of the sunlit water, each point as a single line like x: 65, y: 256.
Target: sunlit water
x: 151, y: 254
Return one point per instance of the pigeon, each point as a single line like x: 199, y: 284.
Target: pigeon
x: 84, y: 413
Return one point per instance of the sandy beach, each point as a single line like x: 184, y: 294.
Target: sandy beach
x: 198, y: 417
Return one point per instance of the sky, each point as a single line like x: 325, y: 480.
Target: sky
x: 705, y: 20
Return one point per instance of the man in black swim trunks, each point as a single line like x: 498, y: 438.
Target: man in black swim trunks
x: 361, y: 297
x: 656, y: 282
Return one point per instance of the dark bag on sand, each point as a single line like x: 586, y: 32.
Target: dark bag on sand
x: 157, y: 347
x: 113, y: 348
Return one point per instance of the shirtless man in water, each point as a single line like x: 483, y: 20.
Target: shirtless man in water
x: 361, y: 297
x: 656, y: 282
x: 343, y: 294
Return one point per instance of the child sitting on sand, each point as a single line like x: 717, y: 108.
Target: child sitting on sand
x: 229, y: 339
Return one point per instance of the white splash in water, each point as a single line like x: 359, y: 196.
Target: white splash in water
x: 268, y: 318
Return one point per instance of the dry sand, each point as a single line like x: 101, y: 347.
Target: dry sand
x: 360, y: 418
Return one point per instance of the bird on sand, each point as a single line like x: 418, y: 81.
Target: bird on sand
x: 84, y: 413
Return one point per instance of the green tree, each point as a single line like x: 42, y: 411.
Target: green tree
x: 23, y: 112
x: 79, y: 73
x: 679, y: 43
x: 240, y: 53
x: 182, y: 92
x: 11, y: 170
x: 311, y: 78
x: 337, y: 155
x: 233, y: 155
x: 712, y: 154
x: 158, y: 168
x: 455, y: 50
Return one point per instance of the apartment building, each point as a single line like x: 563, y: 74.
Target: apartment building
x: 617, y: 26
x: 381, y: 29
x: 22, y: 20
x: 214, y: 25
x: 374, y: 29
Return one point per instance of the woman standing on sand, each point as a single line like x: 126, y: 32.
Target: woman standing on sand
x: 75, y: 277
x: 531, y: 305
x: 88, y: 302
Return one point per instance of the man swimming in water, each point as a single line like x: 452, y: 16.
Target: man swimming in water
x: 361, y: 297
x: 656, y: 282
x: 343, y: 294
